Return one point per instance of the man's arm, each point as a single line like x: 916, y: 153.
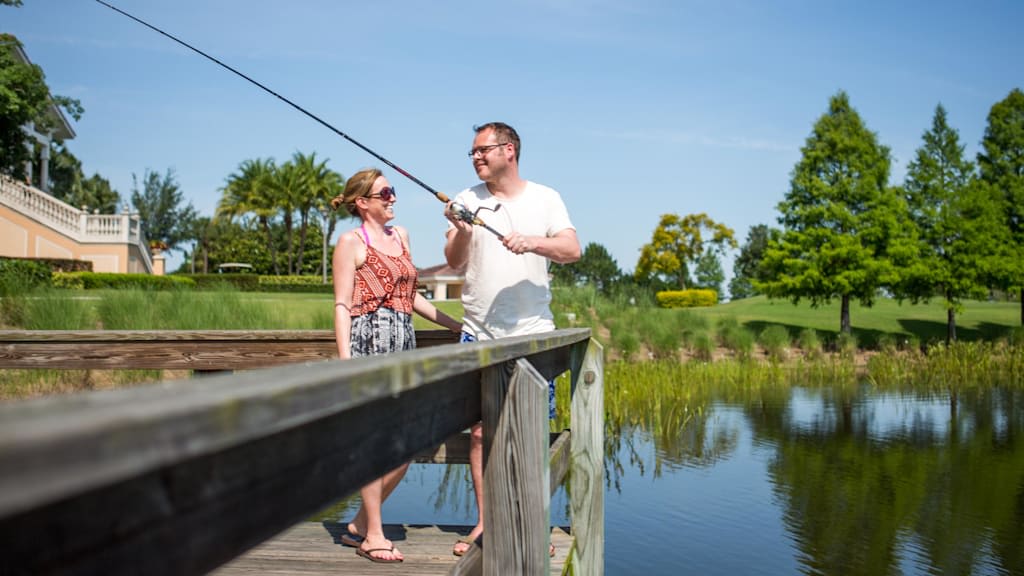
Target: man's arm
x: 562, y: 248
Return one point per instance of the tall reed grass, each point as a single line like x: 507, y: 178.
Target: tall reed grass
x: 20, y: 384
x: 54, y: 310
x: 775, y: 341
x: 949, y: 368
x: 138, y: 309
x: 182, y: 310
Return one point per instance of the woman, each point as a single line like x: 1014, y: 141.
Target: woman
x: 374, y: 298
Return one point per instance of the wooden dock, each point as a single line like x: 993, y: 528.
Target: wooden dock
x: 219, y: 474
x: 314, y: 548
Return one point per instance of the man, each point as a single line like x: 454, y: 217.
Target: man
x: 506, y: 291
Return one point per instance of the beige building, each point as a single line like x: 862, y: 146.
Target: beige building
x: 34, y: 224
x: 441, y: 282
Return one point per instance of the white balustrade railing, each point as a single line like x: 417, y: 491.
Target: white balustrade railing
x: 39, y: 205
x: 75, y: 223
x: 137, y: 236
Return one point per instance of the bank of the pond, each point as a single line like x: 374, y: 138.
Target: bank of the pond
x: 936, y: 367
x: 745, y: 337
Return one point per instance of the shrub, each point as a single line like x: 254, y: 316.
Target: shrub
x: 886, y: 343
x: 664, y: 340
x: 726, y: 327
x: 577, y: 300
x: 703, y: 346
x: 243, y: 282
x: 21, y: 275
x: 809, y: 343
x: 68, y: 281
x: 846, y: 345
x: 1015, y: 336
x: 626, y: 342
x: 775, y: 340
x: 630, y: 294
x: 686, y: 298
x: 100, y: 280
x: 66, y: 264
x: 735, y: 337
x: 912, y: 344
x: 692, y: 326
x: 294, y: 284
x: 741, y: 342
x: 18, y: 277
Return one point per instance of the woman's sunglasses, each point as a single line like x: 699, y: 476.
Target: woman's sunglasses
x: 387, y: 194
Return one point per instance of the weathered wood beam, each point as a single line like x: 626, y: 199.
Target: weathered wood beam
x: 455, y: 450
x: 586, y: 495
x: 175, y: 349
x: 517, y: 494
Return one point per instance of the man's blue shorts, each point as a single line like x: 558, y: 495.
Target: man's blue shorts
x: 466, y: 337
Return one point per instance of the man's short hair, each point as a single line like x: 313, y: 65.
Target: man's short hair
x: 502, y: 132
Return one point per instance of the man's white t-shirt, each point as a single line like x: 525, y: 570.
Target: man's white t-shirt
x: 508, y: 294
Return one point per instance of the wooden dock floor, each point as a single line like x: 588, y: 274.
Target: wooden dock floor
x: 314, y: 548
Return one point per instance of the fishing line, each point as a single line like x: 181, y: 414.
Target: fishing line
x: 460, y: 211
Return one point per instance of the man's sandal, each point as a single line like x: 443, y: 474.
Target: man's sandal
x: 469, y: 544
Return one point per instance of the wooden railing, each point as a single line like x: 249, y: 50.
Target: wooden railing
x: 180, y: 477
x: 200, y: 350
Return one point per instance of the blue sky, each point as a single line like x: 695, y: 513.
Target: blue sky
x: 630, y: 109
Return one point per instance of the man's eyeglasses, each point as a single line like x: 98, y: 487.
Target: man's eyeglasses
x: 483, y: 150
x: 387, y: 194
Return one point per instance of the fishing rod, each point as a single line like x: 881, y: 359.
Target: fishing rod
x: 460, y: 211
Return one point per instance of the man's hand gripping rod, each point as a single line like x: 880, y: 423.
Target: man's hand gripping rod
x: 463, y: 213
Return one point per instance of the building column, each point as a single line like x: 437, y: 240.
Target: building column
x: 159, y: 267
x: 28, y: 163
x: 44, y: 167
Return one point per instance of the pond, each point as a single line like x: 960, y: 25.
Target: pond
x: 791, y: 480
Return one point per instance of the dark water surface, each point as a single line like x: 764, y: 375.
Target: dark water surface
x: 799, y: 481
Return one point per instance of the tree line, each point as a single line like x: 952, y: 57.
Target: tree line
x: 954, y: 229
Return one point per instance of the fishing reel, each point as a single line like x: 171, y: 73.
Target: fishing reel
x: 462, y: 213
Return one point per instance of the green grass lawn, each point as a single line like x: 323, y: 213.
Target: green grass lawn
x: 186, y: 310
x: 316, y: 311
x: 927, y: 322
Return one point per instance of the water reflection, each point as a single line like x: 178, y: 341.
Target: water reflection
x: 768, y: 478
x: 845, y: 480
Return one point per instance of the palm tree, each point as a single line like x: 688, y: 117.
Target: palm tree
x: 252, y: 190
x: 319, y: 185
x: 287, y: 187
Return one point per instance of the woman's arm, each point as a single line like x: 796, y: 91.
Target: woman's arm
x: 344, y: 278
x: 421, y: 305
x: 424, y: 308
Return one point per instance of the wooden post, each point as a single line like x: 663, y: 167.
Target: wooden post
x: 517, y: 495
x: 587, y: 454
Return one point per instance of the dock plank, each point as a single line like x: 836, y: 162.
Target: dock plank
x: 314, y: 549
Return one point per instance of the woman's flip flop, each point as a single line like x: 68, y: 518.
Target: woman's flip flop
x: 368, y: 554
